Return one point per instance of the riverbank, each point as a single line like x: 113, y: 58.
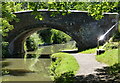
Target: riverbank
x: 63, y: 68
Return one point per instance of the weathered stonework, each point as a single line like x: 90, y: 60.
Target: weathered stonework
x: 79, y: 25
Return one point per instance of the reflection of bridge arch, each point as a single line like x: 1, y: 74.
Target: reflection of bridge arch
x: 81, y: 27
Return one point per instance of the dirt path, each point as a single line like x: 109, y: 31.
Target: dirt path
x: 88, y: 63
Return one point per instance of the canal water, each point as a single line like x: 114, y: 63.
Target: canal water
x: 34, y: 68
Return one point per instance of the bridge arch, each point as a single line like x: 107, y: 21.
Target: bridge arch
x: 79, y: 25
x: 17, y: 44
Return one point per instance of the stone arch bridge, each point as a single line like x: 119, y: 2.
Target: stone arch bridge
x: 78, y: 24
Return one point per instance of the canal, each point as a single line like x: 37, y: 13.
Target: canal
x: 35, y: 65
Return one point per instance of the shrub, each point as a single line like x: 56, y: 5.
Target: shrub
x: 32, y: 42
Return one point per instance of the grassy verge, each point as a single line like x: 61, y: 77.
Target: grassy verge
x: 64, y: 67
x: 90, y: 51
x: 110, y: 57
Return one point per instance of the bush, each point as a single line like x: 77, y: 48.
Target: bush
x: 64, y: 68
x: 32, y: 42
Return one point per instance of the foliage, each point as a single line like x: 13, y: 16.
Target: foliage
x: 45, y: 35
x: 32, y: 42
x: 67, y: 77
x: 53, y: 36
x: 7, y: 9
x: 64, y: 67
x: 111, y: 45
x: 59, y: 37
x: 95, y: 9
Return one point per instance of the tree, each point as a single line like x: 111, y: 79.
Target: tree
x: 7, y: 15
x: 95, y: 9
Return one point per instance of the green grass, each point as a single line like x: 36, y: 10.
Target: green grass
x: 90, y: 51
x: 64, y: 63
x: 110, y: 57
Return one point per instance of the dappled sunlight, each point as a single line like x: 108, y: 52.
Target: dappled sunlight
x: 106, y: 74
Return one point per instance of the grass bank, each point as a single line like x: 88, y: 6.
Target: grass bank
x: 110, y: 57
x: 90, y: 51
x: 63, y: 68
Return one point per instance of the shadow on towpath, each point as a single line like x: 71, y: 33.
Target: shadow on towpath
x: 102, y: 76
x: 92, y: 71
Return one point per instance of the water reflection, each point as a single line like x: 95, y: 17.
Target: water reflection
x: 33, y: 67
x: 71, y: 45
x: 20, y: 70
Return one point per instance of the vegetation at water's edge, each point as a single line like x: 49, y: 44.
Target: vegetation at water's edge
x: 32, y: 42
x: 63, y: 68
